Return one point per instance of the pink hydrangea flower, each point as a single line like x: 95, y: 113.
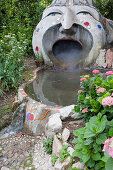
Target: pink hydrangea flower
x: 79, y: 91
x: 86, y: 76
x: 101, y: 90
x: 111, y: 152
x: 82, y: 79
x: 107, y: 101
x: 96, y: 71
x: 106, y: 144
x: 108, y: 73
x: 96, y: 86
x: 84, y: 110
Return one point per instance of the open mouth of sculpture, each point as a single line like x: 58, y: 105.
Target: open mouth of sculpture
x: 67, y: 47
x: 67, y: 50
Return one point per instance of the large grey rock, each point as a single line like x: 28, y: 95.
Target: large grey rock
x: 40, y: 114
x: 65, y: 134
x: 53, y: 126
x: 57, y: 145
x: 60, y: 165
x: 65, y: 112
x: 101, y: 59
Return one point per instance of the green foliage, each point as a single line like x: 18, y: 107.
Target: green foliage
x: 105, y: 7
x: 54, y: 158
x: 47, y: 144
x: 11, y: 61
x: 64, y: 153
x: 91, y: 99
x: 18, y: 20
x: 90, y: 139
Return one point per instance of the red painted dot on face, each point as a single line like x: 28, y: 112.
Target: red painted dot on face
x: 31, y: 117
x: 36, y: 48
x: 105, y: 21
x: 86, y: 23
x: 73, y: 19
x: 63, y: 19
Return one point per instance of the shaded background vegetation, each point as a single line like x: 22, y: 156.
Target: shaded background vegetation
x: 18, y: 19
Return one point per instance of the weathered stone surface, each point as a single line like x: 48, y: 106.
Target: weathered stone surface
x: 79, y: 165
x: 40, y: 115
x: 60, y: 166
x: 74, y: 115
x: 70, y: 150
x: 65, y: 134
x: 101, y: 59
x: 65, y: 112
x: 109, y: 58
x: 53, y: 126
x: 57, y: 145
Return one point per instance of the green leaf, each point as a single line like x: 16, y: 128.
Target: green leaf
x: 88, y: 141
x: 96, y: 156
x: 111, y: 132
x: 104, y: 158
x: 109, y: 164
x: 86, y: 157
x: 101, y: 139
x: 76, y: 108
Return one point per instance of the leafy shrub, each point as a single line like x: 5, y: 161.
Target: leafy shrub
x: 64, y: 153
x: 94, y: 90
x: 90, y: 139
x: 11, y: 61
x: 47, y: 144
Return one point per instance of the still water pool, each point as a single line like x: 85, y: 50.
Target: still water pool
x: 56, y: 87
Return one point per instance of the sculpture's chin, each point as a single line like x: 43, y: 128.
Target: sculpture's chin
x: 67, y: 47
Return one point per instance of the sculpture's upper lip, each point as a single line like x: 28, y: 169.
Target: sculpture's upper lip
x: 68, y: 38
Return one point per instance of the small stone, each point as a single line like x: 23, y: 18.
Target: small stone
x: 21, y: 168
x: 26, y: 154
x: 79, y: 165
x: 70, y: 150
x: 4, y: 168
x: 65, y: 134
x: 56, y: 146
x: 59, y: 166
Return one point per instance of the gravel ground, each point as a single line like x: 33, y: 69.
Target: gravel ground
x: 23, y: 152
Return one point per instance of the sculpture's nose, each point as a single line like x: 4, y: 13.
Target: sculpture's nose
x: 68, y: 19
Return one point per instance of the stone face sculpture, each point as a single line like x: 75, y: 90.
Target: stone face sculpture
x: 71, y: 32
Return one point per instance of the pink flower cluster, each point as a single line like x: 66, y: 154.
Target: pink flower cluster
x: 84, y: 110
x: 108, y: 73
x: 109, y: 145
x: 82, y: 79
x: 107, y: 101
x: 101, y: 90
x: 96, y: 71
x: 86, y: 76
x: 79, y: 91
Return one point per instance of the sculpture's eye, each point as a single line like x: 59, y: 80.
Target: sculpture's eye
x: 54, y: 13
x: 84, y: 13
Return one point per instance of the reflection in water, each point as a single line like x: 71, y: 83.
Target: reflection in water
x: 55, y: 87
